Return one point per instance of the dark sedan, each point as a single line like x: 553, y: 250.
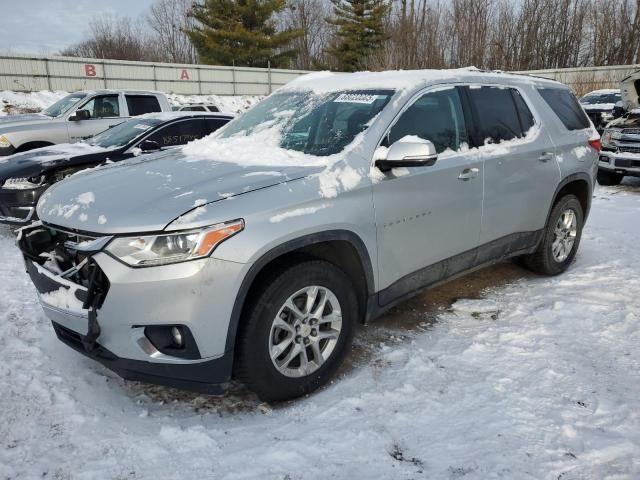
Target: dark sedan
x: 25, y: 176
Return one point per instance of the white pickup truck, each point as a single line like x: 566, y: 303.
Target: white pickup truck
x: 75, y: 117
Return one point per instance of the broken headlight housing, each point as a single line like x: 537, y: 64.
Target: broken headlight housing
x: 23, y: 183
x: 174, y: 247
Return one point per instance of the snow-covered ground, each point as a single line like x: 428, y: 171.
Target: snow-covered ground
x: 12, y: 103
x: 538, y: 378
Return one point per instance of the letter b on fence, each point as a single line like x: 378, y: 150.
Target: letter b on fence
x: 90, y: 70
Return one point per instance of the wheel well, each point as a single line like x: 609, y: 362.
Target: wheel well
x: 579, y: 188
x: 31, y: 145
x: 340, y: 253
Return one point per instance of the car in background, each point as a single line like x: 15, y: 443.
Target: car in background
x: 254, y: 253
x: 620, y: 155
x: 75, y: 117
x: 196, y: 107
x: 24, y: 177
x: 600, y: 105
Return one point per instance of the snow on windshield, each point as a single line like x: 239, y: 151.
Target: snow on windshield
x: 294, y: 128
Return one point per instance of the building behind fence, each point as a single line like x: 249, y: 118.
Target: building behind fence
x: 34, y: 73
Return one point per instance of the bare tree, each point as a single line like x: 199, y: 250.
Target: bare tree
x: 117, y: 38
x: 168, y: 20
x: 308, y: 16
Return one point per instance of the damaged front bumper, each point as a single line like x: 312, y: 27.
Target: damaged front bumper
x: 112, y: 313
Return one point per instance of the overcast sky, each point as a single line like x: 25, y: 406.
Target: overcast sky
x: 46, y: 26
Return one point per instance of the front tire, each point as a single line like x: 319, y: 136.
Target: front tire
x: 297, y: 331
x: 560, y: 239
x: 609, y: 178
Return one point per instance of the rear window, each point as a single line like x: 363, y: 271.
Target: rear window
x: 498, y: 117
x: 141, y: 104
x: 566, y: 107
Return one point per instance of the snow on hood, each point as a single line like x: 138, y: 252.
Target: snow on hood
x: 27, y: 117
x: 55, y: 152
x: 598, y: 106
x: 148, y: 193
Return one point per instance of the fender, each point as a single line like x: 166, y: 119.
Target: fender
x: 287, y: 247
x: 569, y: 179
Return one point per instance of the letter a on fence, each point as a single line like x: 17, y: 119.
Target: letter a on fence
x: 184, y: 75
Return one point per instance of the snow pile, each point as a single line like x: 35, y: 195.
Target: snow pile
x: 536, y: 380
x: 12, y: 103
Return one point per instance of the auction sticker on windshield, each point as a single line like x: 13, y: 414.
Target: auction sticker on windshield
x: 356, y: 98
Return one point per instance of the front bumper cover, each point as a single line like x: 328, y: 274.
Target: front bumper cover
x: 619, y: 163
x: 82, y: 329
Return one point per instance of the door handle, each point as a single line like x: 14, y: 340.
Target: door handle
x: 545, y: 157
x: 468, y: 174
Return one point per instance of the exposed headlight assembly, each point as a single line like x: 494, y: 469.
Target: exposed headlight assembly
x: 175, y: 247
x: 4, y: 142
x: 23, y: 183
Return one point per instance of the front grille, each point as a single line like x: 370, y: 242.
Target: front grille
x: 46, y: 246
x: 631, y: 131
x: 628, y: 149
x: 627, y: 163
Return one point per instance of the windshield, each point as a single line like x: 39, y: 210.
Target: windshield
x: 64, y: 105
x: 597, y: 98
x: 124, y: 133
x: 315, y: 124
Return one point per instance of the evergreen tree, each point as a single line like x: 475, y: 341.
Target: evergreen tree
x: 241, y: 32
x: 360, y: 32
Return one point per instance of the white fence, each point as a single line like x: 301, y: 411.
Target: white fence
x: 34, y: 73
x: 585, y: 79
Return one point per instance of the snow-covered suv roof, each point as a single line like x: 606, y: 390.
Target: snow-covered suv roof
x: 323, y: 82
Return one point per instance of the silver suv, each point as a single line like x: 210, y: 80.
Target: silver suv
x: 75, y: 117
x: 254, y: 253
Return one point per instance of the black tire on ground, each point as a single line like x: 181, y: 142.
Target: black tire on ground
x: 542, y: 260
x: 609, y: 178
x: 253, y: 364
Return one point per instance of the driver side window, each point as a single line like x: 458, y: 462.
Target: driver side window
x: 105, y: 106
x: 436, y: 116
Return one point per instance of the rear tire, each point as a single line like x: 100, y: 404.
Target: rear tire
x: 609, y: 178
x: 560, y: 239
x: 288, y: 322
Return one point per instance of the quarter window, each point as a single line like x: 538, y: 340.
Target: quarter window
x: 566, y: 107
x: 141, y: 104
x: 178, y: 133
x: 436, y: 116
x: 105, y: 106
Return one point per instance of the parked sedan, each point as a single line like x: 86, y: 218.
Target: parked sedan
x: 25, y: 176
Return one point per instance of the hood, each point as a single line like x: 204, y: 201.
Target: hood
x: 26, y: 119
x: 41, y: 160
x: 630, y: 91
x: 147, y: 193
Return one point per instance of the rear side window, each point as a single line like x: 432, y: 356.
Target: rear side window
x: 178, y: 133
x: 497, y: 114
x: 194, y: 109
x: 436, y: 116
x: 141, y: 104
x: 213, y: 124
x: 566, y: 107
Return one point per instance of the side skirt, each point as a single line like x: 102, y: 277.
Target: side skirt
x: 453, y: 267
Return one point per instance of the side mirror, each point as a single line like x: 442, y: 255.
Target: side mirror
x: 409, y: 154
x: 80, y: 115
x: 149, y: 146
